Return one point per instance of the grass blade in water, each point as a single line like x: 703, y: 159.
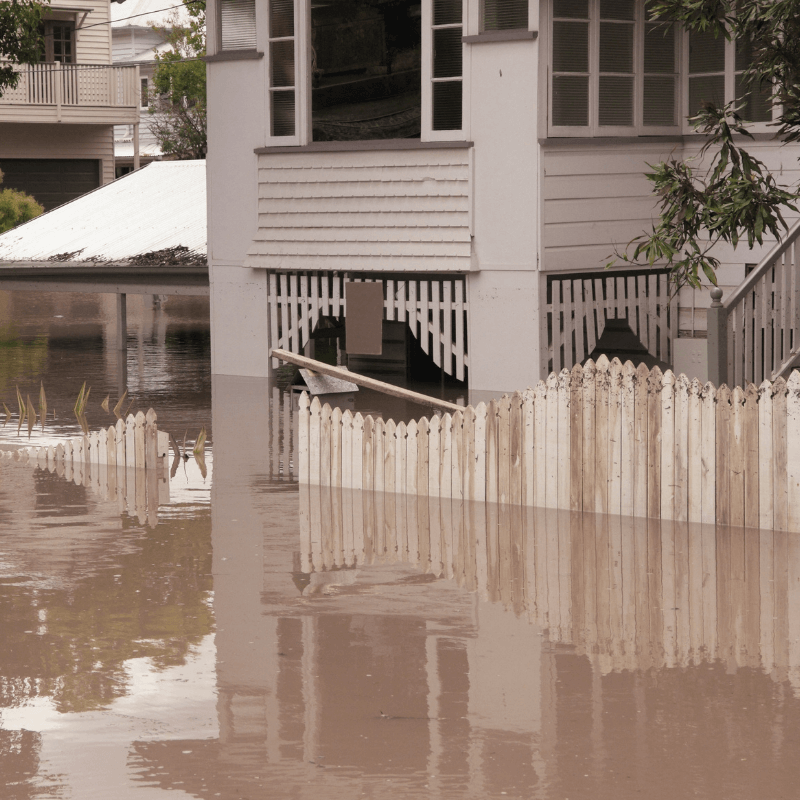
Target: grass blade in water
x: 42, y: 404
x: 21, y: 411
x: 118, y: 406
x: 77, y: 408
x: 200, y: 444
x: 8, y: 414
x: 201, y: 462
x: 104, y: 404
x: 31, y: 416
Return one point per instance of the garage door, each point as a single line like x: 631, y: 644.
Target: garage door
x: 51, y: 181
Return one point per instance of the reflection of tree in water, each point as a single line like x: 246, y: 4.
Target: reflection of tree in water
x: 71, y: 643
x: 19, y: 766
x: 19, y: 360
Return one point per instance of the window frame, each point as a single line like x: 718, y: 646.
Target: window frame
x: 594, y: 129
x: 427, y: 133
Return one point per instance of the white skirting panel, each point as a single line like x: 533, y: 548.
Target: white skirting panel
x: 435, y: 309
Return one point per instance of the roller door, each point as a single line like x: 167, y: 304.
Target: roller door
x: 51, y: 181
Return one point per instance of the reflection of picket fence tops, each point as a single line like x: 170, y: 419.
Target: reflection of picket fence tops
x: 133, y: 442
x: 602, y: 438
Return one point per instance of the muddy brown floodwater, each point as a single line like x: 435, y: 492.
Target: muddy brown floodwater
x: 220, y: 653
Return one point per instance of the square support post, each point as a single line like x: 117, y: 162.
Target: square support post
x: 717, y: 316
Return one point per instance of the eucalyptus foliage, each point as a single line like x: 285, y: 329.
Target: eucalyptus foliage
x: 179, y: 98
x: 20, y: 37
x: 725, y: 194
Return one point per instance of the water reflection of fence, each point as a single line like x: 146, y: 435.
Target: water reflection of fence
x: 629, y: 593
x: 603, y: 438
x: 282, y: 436
x: 126, y: 462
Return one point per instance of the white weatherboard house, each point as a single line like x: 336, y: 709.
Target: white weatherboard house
x: 57, y: 125
x: 481, y: 159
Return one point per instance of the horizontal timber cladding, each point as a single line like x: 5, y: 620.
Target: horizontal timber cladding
x: 365, y: 210
x: 605, y: 438
x: 434, y: 307
x: 578, y: 305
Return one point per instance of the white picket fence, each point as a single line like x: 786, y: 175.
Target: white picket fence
x: 126, y: 462
x: 602, y: 438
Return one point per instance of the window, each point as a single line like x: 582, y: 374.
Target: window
x: 145, y: 100
x: 59, y: 41
x: 612, y: 72
x: 237, y: 24
x: 715, y: 74
x: 282, y: 71
x: 446, y: 67
x: 504, y: 15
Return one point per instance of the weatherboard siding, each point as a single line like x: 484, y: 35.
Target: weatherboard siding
x: 60, y: 141
x: 364, y: 210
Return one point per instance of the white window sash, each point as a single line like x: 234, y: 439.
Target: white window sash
x: 427, y: 133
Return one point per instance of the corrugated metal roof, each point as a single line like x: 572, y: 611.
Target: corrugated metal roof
x: 156, y: 12
x: 160, y: 206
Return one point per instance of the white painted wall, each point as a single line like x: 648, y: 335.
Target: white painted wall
x: 239, y: 311
x: 504, y: 295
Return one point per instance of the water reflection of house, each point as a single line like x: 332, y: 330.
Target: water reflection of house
x: 57, y: 125
x: 586, y: 651
x: 474, y: 157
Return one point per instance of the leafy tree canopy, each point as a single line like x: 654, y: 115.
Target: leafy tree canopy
x: 20, y: 37
x: 179, y: 96
x: 726, y: 194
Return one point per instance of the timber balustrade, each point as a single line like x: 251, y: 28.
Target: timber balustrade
x: 126, y: 462
x: 605, y: 438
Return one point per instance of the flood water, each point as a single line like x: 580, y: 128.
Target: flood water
x: 230, y: 650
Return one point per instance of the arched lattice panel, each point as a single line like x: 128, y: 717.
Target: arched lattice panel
x: 435, y: 308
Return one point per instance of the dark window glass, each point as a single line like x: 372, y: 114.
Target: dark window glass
x: 706, y: 88
x: 616, y: 100
x: 282, y: 58
x: 447, y: 50
x: 706, y: 53
x: 447, y: 12
x: 617, y: 9
x: 570, y: 100
x: 447, y: 106
x: 578, y: 9
x: 616, y: 47
x: 659, y: 100
x: 283, y: 113
x: 756, y: 99
x: 503, y: 15
x: 570, y: 47
x: 659, y: 48
x: 281, y: 18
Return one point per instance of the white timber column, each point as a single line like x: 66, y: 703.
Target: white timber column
x: 503, y: 291
x: 136, y: 145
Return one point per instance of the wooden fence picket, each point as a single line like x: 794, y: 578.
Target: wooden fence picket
x: 765, y: 457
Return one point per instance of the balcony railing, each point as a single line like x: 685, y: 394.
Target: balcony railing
x: 73, y: 85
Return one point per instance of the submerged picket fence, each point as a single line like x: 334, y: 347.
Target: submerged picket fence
x: 125, y: 462
x: 604, y: 438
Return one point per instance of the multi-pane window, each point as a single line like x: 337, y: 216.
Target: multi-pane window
x: 145, y: 93
x: 611, y: 70
x: 282, y: 70
x: 717, y: 75
x: 447, y: 78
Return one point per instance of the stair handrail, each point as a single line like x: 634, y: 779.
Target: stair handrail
x: 719, y: 312
x: 752, y: 279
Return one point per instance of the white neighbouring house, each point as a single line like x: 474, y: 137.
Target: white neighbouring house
x: 57, y: 125
x: 482, y: 160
